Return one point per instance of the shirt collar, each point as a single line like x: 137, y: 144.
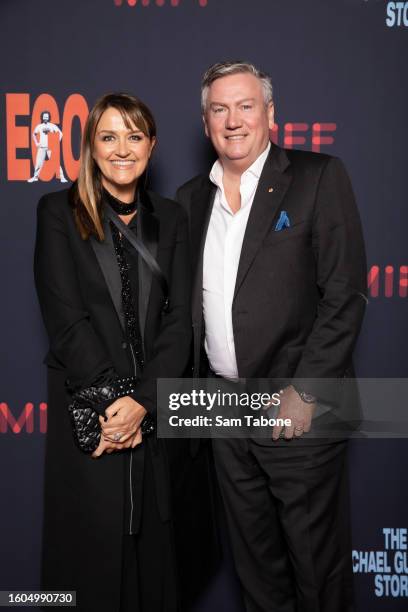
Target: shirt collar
x: 255, y: 169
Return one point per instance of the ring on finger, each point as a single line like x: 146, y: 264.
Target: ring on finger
x: 117, y: 436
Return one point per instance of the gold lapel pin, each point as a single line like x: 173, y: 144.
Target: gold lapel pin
x: 270, y: 189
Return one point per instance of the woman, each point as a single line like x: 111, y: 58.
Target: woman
x: 115, y: 530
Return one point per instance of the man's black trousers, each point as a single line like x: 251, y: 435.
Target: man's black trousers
x: 287, y: 507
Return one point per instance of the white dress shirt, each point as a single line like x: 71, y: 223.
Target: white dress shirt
x: 221, y: 258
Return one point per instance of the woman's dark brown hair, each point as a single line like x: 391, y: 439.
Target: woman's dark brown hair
x: 87, y: 193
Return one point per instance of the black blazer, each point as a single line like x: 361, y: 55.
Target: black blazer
x: 79, y: 286
x: 300, y: 293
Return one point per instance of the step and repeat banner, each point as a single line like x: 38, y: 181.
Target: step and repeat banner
x: 339, y: 75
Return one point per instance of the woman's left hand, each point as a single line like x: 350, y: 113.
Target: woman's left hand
x: 125, y: 416
x: 105, y: 446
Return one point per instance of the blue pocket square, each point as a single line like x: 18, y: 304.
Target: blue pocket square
x: 283, y: 221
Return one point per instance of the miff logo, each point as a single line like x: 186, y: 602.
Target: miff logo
x: 31, y: 418
x: 146, y: 3
x: 312, y: 136
x: 388, y: 282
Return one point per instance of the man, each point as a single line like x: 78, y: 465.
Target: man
x: 279, y: 292
x: 40, y: 137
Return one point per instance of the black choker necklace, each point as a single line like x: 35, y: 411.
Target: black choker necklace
x: 121, y: 208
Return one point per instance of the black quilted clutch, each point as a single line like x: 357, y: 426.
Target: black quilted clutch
x: 84, y: 417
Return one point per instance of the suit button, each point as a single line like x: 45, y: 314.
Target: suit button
x: 124, y: 345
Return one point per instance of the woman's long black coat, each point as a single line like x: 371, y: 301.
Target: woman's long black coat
x: 78, y: 284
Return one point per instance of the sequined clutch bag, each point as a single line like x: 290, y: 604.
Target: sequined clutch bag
x: 84, y: 417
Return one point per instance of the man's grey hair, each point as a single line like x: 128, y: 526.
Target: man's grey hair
x: 222, y: 69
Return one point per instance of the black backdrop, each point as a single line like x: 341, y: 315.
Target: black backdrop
x: 338, y: 63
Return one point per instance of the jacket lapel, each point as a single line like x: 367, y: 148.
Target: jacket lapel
x: 201, y: 207
x: 148, y: 232
x: 199, y: 212
x: 270, y: 192
x: 106, y: 256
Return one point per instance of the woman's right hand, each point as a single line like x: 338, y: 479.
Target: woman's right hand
x: 107, y: 446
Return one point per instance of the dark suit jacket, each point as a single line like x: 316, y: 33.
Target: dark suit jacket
x: 78, y: 284
x: 300, y: 292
